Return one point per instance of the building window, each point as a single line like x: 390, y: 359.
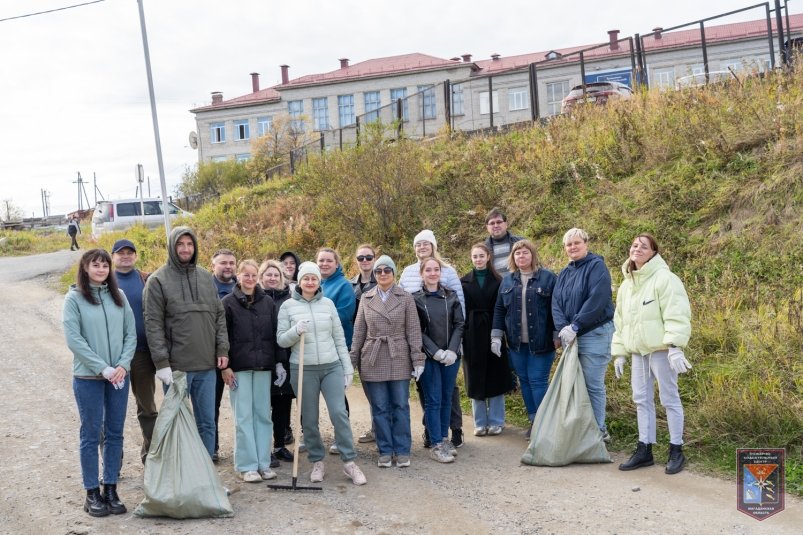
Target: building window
x: 517, y: 99
x: 396, y: 94
x: 296, y: 109
x: 241, y: 130
x: 264, y: 125
x: 485, y: 108
x: 320, y: 113
x: 218, y: 132
x: 457, y: 100
x: 555, y: 92
x: 345, y: 110
x: 664, y: 78
x: 427, y: 95
x: 218, y: 159
x: 372, y: 105
x: 242, y: 158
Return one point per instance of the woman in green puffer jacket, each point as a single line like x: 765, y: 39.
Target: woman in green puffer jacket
x: 653, y: 325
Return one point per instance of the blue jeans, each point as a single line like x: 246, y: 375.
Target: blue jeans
x: 489, y: 412
x: 390, y: 415
x: 201, y: 387
x: 437, y: 384
x: 533, y: 373
x: 594, y: 351
x: 100, y: 407
x: 253, y: 428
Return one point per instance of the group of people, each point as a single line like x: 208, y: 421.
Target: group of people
x: 243, y: 324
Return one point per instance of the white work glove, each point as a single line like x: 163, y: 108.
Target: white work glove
x: 450, y: 357
x: 418, y: 371
x: 303, y: 326
x: 677, y: 361
x: 348, y: 379
x: 496, y: 346
x: 120, y: 385
x: 281, y: 374
x: 108, y: 372
x: 567, y: 336
x: 165, y: 375
x: 619, y: 366
x: 439, y: 354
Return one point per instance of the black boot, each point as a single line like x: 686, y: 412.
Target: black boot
x: 641, y: 457
x: 676, y: 459
x: 116, y: 507
x: 94, y: 504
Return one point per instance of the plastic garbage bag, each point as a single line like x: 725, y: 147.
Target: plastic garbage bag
x: 180, y: 479
x: 564, y: 430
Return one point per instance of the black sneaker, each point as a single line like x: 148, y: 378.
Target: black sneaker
x: 288, y: 437
x: 457, y: 438
x: 284, y: 454
x: 427, y: 441
x: 274, y: 462
x: 215, y: 457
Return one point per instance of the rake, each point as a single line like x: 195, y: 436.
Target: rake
x: 296, y: 423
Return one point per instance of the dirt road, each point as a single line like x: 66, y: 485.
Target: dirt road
x: 486, y: 490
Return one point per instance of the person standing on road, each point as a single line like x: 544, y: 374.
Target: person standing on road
x: 653, y: 325
x: 386, y: 351
x: 327, y: 369
x: 363, y: 281
x: 441, y: 319
x: 186, y: 327
x: 487, y: 375
x: 582, y: 307
x: 143, y: 372
x: 100, y: 330
x: 254, y: 355
x: 500, y: 240
x: 523, y: 315
x: 223, y: 265
x: 73, y: 230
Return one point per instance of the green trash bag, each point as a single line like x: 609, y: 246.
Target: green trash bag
x: 180, y: 479
x: 564, y: 430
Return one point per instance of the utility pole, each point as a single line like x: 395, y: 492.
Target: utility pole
x: 95, y: 186
x: 80, y: 184
x: 44, y: 209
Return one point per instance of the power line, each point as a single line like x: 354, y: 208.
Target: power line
x: 52, y: 10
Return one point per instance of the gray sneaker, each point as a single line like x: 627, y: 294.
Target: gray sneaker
x: 366, y: 437
x: 449, y: 448
x: 385, y: 461
x: 333, y: 449
x: 439, y: 454
x: 402, y: 461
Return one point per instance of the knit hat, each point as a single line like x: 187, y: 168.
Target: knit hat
x: 308, y: 268
x: 426, y: 235
x: 385, y: 260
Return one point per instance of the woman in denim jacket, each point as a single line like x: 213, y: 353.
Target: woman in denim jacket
x: 523, y: 314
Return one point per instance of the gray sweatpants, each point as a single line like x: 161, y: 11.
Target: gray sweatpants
x: 645, y: 370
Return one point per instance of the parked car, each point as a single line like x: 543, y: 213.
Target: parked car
x: 699, y: 80
x: 124, y: 213
x: 597, y: 92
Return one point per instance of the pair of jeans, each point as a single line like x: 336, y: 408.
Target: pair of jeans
x: 645, y: 370
x: 250, y: 404
x: 489, y: 412
x: 390, y: 415
x: 533, y: 373
x: 326, y: 380
x: 438, y: 385
x: 101, y: 407
x: 201, y: 388
x: 143, y: 386
x: 594, y: 352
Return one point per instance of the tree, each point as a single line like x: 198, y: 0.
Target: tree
x: 274, y: 147
x: 213, y: 178
x: 10, y: 211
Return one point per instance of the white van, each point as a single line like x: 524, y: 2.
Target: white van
x: 121, y: 214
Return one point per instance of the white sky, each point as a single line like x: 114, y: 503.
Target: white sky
x: 75, y: 96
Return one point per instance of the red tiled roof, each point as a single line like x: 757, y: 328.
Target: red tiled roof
x: 263, y: 96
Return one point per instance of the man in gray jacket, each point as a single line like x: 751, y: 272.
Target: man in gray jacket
x: 186, y: 327
x: 500, y: 240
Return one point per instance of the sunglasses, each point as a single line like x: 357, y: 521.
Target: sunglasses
x: 383, y: 271
x: 363, y: 258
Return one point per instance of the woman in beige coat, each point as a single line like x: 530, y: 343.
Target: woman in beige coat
x: 386, y: 349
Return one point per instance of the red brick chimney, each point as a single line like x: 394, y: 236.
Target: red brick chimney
x: 466, y: 58
x: 255, y: 81
x: 285, y: 73
x: 217, y: 98
x: 613, y: 36
x: 344, y: 63
x: 657, y: 30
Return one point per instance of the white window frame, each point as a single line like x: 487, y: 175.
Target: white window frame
x: 518, y: 99
x: 242, y: 158
x: 264, y: 125
x: 295, y: 108
x: 553, y: 102
x: 242, y: 130
x: 458, y: 100
x: 218, y: 159
x: 663, y: 77
x: 372, y: 101
x: 320, y: 114
x: 485, y: 107
x: 400, y: 93
x: 429, y: 103
x: 345, y: 110
x: 217, y: 133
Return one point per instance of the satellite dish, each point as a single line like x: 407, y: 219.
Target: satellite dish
x: 193, y: 140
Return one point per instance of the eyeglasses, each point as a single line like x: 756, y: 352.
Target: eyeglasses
x: 495, y: 223
x: 363, y: 258
x: 383, y: 271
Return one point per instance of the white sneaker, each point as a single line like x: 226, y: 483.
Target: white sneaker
x: 449, y: 448
x: 354, y: 473
x: 267, y: 473
x: 252, y: 476
x: 402, y: 461
x: 438, y: 453
x: 385, y: 461
x: 318, y: 471
x: 333, y: 449
x: 480, y: 431
x: 495, y: 430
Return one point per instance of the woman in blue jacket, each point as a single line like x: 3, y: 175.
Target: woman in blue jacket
x: 100, y: 330
x: 523, y: 315
x: 582, y: 306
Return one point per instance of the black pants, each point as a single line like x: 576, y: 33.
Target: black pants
x: 73, y: 242
x: 280, y: 415
x: 219, y: 384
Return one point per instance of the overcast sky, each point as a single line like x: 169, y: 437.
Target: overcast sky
x: 75, y: 95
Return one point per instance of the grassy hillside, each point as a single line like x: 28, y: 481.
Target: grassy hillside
x: 715, y: 174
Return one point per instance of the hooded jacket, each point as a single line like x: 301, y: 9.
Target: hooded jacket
x: 652, y: 310
x: 582, y: 295
x: 338, y: 288
x: 251, y: 328
x: 184, y: 318
x: 98, y: 335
